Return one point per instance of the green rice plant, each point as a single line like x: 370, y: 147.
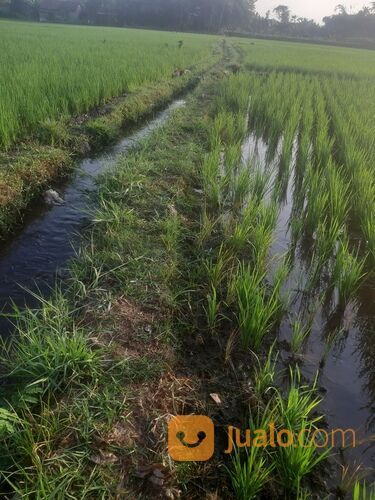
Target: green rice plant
x: 32, y: 93
x: 293, y: 463
x: 233, y: 94
x: 317, y: 201
x: 232, y: 158
x: 347, y: 272
x: 326, y: 237
x: 279, y: 277
x: 249, y: 473
x: 296, y: 224
x: 256, y: 308
x: 260, y: 242
x: 260, y: 183
x: 363, y: 188
x: 212, y: 309
x: 296, y: 413
x: 363, y: 492
x: 206, y: 228
x: 329, y: 341
x: 264, y: 372
x: 210, y: 179
x: 240, y: 232
x: 368, y: 228
x: 262, y: 233
x: 299, y: 404
x: 300, y: 332
x: 252, y: 469
x: 350, y: 476
x: 338, y: 194
x: 240, y: 189
x: 228, y: 128
x: 217, y: 269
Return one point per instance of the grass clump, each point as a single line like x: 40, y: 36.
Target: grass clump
x: 48, y: 349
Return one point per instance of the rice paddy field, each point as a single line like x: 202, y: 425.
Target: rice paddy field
x: 228, y: 271
x: 50, y: 72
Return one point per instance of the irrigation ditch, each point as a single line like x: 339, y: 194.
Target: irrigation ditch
x: 32, y: 260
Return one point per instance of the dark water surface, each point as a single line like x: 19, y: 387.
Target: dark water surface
x: 37, y: 254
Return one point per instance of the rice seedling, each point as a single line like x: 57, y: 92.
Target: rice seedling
x: 326, y: 236
x: 293, y: 463
x: 239, y: 234
x: 251, y: 468
x: 362, y: 491
x: 249, y: 473
x: 232, y: 159
x: 212, y: 309
x: 329, y: 343
x: 317, y: 200
x: 217, y: 269
x: 257, y: 309
x: 279, y: 277
x: 347, y: 273
x: 338, y: 191
x: 350, y: 476
x: 368, y: 228
x: 300, y: 333
x: 300, y: 403
x: 210, y: 179
x: 260, y: 183
x: 264, y: 373
x: 206, y: 228
x: 260, y: 242
x: 240, y: 189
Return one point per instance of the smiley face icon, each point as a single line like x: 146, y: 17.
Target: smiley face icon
x: 191, y: 438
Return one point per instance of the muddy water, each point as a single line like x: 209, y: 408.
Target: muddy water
x: 36, y: 256
x: 347, y: 370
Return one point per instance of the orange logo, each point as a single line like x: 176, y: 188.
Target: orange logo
x: 191, y: 438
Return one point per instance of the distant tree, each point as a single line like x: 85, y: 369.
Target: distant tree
x: 366, y: 11
x: 251, y: 6
x: 283, y: 13
x: 341, y: 10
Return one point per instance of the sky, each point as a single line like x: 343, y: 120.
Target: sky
x: 313, y: 9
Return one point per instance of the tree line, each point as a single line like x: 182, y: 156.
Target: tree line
x: 213, y: 16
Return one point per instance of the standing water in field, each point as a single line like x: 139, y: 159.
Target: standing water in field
x: 36, y: 256
x: 338, y: 345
